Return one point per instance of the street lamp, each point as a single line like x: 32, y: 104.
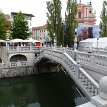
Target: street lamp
x: 63, y: 34
x: 75, y: 40
x: 54, y: 39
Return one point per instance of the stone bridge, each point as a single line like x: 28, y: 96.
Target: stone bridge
x: 86, y: 69
x: 73, y: 61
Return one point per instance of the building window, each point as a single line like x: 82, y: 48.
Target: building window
x: 90, y: 11
x: 79, y: 14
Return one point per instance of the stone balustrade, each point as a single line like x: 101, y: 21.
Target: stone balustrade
x: 18, y: 64
x: 22, y: 48
x: 84, y: 57
x: 101, y: 99
x: 94, y: 61
x: 81, y: 77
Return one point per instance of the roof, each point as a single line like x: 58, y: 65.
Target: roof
x: 2, y: 41
x: 80, y: 4
x: 104, y: 39
x: 31, y: 40
x: 16, y: 40
x: 40, y: 27
x: 26, y: 14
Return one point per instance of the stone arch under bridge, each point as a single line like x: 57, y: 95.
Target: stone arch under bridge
x: 18, y: 57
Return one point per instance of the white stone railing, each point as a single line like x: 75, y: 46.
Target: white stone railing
x: 101, y: 52
x: 93, y: 60
x: 99, y: 49
x: 81, y: 77
x: 101, y: 99
x: 83, y: 57
x: 1, y: 65
x: 18, y: 64
x: 22, y: 48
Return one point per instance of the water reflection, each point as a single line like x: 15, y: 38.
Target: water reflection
x: 44, y: 90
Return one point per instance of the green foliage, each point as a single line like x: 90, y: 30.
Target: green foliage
x: 54, y: 21
x: 103, y: 22
x: 70, y: 22
x: 2, y: 26
x: 20, y: 27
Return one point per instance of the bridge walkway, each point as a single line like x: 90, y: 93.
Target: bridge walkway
x: 78, y: 74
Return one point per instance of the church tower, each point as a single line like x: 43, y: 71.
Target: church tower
x: 85, y: 14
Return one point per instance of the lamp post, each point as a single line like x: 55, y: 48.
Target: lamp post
x: 54, y: 39
x: 63, y: 34
x: 75, y: 40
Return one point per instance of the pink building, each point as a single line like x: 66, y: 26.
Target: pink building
x: 85, y: 14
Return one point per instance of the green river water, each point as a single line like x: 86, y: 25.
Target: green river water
x: 42, y: 90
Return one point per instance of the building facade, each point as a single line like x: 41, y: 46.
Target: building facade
x: 10, y: 18
x: 86, y: 19
x: 27, y: 16
x: 40, y: 33
x: 85, y: 14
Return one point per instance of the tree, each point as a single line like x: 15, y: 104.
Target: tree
x: 20, y: 27
x: 70, y: 22
x: 103, y: 22
x: 3, y: 26
x: 54, y: 21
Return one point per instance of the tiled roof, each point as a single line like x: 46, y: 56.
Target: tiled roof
x: 40, y: 27
x: 15, y: 13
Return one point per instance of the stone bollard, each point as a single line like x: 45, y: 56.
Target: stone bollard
x: 101, y: 99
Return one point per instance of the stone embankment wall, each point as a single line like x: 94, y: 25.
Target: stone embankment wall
x: 28, y: 70
x: 17, y: 71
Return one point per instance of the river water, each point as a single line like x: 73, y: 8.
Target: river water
x: 43, y: 90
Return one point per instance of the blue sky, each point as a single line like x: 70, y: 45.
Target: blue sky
x: 38, y: 8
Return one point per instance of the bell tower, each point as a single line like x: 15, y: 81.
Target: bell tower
x: 85, y: 14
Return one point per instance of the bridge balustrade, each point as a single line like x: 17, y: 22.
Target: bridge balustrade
x: 1, y: 65
x: 84, y: 57
x: 22, y: 48
x: 94, y: 60
x: 81, y: 77
x: 18, y: 64
x: 101, y: 51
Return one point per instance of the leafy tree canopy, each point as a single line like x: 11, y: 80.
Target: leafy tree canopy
x: 2, y: 26
x: 103, y: 22
x: 20, y: 27
x: 54, y: 21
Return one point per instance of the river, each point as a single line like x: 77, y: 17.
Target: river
x: 42, y: 90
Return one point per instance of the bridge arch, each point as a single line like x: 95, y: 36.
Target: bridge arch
x: 18, y: 57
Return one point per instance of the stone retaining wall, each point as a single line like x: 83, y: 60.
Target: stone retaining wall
x: 17, y: 71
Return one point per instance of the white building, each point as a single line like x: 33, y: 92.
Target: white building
x: 28, y: 18
x: 40, y: 33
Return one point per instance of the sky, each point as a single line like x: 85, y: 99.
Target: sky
x: 39, y: 8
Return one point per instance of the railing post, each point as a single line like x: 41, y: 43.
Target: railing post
x: 101, y: 99
x: 77, y: 71
x: 92, y: 60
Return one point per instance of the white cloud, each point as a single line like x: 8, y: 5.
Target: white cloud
x: 38, y: 8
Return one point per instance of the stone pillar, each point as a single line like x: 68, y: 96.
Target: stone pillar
x: 103, y: 88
